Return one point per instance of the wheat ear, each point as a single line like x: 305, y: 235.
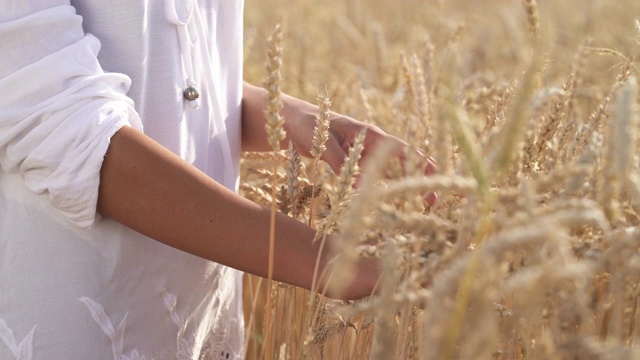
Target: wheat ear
x: 320, y: 137
x: 533, y: 18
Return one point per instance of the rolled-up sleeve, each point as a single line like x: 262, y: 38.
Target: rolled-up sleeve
x: 58, y: 108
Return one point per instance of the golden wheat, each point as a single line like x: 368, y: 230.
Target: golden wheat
x: 531, y: 110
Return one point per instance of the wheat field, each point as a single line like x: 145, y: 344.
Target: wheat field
x: 531, y: 111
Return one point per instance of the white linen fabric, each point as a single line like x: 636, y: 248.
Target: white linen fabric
x: 72, y: 73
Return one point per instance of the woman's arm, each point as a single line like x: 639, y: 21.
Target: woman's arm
x: 299, y: 118
x: 58, y: 113
x: 58, y: 108
x: 151, y: 190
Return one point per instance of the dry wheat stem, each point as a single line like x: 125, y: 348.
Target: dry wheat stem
x: 275, y: 134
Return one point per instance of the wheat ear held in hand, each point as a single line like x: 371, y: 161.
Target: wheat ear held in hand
x: 320, y: 137
x: 275, y: 134
x: 344, y: 187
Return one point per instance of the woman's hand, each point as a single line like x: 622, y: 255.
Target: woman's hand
x: 299, y: 125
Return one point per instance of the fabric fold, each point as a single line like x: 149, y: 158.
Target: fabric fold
x: 59, y: 109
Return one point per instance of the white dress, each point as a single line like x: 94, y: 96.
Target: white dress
x: 74, y: 285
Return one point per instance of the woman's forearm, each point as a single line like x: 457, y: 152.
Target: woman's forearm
x: 254, y: 135
x: 149, y: 189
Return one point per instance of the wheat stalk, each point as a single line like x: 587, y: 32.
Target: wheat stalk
x: 275, y: 134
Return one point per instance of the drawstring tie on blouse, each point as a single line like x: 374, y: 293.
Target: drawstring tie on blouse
x: 180, y: 15
x: 186, y: 17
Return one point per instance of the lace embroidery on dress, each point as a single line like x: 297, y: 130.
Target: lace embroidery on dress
x: 183, y: 351
x: 21, y: 351
x: 216, y: 346
x: 115, y: 335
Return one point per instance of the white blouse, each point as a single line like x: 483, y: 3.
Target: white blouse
x: 72, y: 73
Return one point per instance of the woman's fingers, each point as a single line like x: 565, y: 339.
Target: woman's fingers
x: 342, y: 136
x: 334, y: 155
x: 431, y: 167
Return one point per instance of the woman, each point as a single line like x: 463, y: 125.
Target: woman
x: 137, y: 111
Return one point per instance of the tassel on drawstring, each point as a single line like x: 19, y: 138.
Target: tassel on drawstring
x: 180, y: 16
x: 192, y: 94
x: 185, y: 15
